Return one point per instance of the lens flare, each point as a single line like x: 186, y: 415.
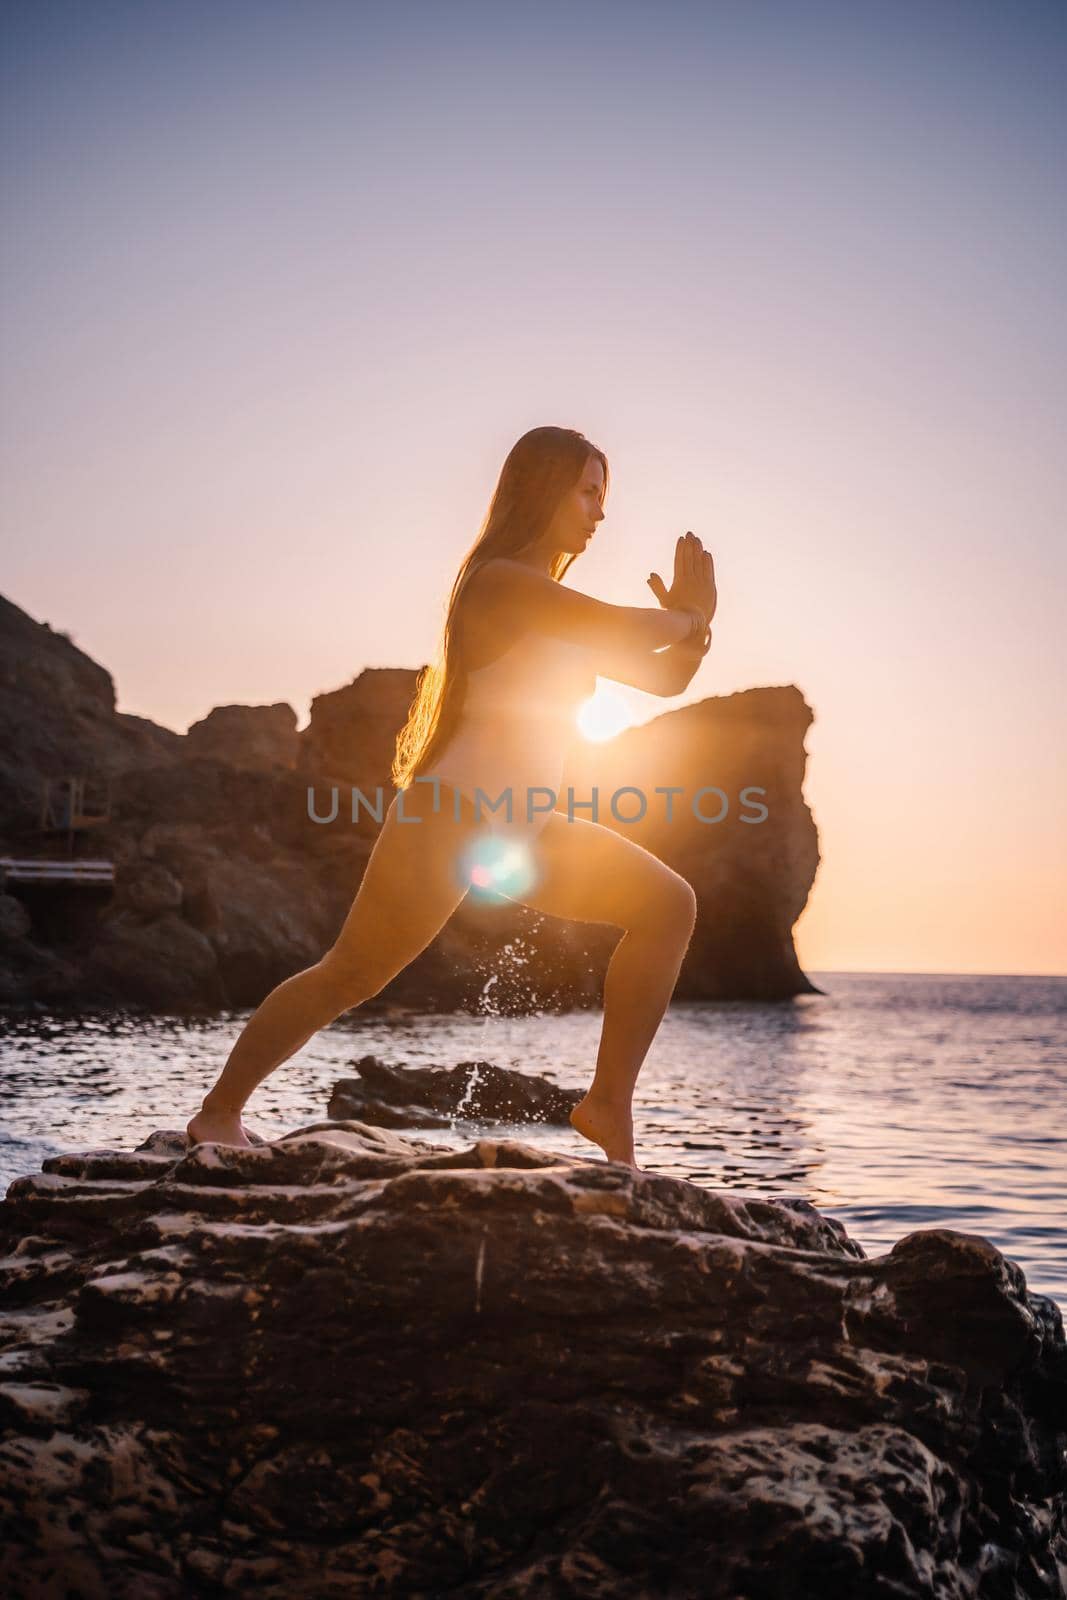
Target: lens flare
x: 496, y: 868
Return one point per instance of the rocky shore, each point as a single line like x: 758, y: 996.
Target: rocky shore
x: 224, y: 885
x: 353, y: 1363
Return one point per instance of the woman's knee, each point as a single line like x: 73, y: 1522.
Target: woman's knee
x: 672, y: 912
x: 349, y: 981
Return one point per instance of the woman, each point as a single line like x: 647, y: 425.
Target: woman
x: 519, y: 652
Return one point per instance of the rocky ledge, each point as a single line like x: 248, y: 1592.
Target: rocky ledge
x: 349, y: 1363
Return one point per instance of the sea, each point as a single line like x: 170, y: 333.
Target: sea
x: 894, y: 1102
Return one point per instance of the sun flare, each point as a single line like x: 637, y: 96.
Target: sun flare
x: 604, y: 714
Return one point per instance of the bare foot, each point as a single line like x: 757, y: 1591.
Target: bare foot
x: 609, y: 1125
x: 211, y: 1126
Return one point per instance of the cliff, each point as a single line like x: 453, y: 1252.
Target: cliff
x: 352, y: 1363
x: 224, y: 885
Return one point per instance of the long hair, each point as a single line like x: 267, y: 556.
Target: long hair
x: 540, y: 469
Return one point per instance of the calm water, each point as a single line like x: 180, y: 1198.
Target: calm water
x: 894, y: 1102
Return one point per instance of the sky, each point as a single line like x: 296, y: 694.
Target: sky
x: 281, y: 284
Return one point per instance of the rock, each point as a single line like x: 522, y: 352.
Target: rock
x: 27, y: 969
x: 15, y: 922
x: 347, y: 1362
x: 752, y: 879
x: 247, y: 736
x: 58, y: 717
x: 146, y: 887
x: 409, y: 1097
x: 258, y: 920
x: 351, y: 733
x: 165, y: 964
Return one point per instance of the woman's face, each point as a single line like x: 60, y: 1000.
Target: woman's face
x: 580, y: 510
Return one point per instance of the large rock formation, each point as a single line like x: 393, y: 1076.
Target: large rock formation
x: 351, y: 733
x: 225, y: 885
x: 350, y: 1363
x: 728, y: 759
x: 57, y: 715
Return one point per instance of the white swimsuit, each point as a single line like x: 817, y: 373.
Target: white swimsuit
x: 516, y: 721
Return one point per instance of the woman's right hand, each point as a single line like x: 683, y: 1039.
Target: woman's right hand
x: 694, y: 579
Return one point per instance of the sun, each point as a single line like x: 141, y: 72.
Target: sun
x: 604, y: 714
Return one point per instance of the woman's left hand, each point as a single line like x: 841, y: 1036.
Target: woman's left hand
x: 690, y: 559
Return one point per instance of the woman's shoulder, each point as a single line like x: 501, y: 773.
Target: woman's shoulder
x: 505, y: 600
x: 503, y: 574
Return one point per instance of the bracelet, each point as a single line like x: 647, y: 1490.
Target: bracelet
x: 698, y: 626
x: 701, y: 633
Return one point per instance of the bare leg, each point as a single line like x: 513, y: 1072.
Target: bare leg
x: 592, y: 874
x: 290, y: 1015
x: 410, y: 888
x: 638, y: 986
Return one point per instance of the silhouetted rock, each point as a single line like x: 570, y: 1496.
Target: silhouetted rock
x: 752, y: 877
x: 408, y: 1097
x: 346, y: 1362
x: 57, y: 716
x: 351, y: 734
x: 247, y: 736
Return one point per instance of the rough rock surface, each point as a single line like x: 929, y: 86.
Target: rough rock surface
x: 225, y: 885
x: 347, y: 1363
x: 247, y: 736
x: 57, y: 716
x: 431, y: 1097
x: 351, y: 733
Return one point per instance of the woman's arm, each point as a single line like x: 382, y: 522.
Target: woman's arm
x: 664, y: 672
x: 522, y: 600
x: 685, y: 661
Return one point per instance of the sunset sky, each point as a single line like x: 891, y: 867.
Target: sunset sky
x: 281, y: 284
